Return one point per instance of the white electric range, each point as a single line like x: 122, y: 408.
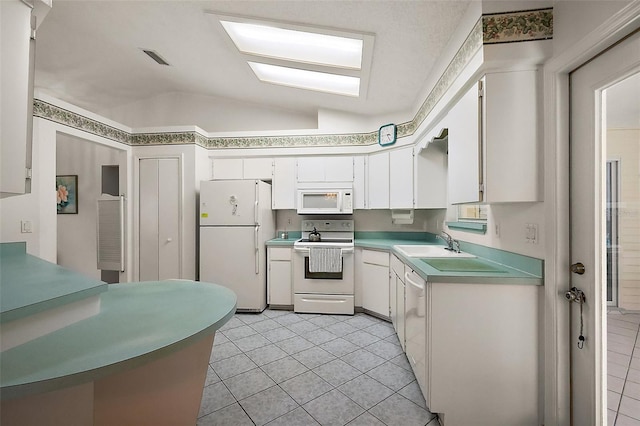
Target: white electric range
x: 324, y: 292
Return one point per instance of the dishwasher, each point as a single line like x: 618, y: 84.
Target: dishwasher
x: 416, y: 329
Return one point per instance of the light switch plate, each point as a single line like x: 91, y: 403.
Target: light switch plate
x: 25, y: 226
x: 531, y: 233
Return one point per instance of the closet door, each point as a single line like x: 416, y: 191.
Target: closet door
x: 159, y: 219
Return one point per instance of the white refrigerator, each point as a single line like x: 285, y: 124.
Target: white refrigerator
x: 235, y: 222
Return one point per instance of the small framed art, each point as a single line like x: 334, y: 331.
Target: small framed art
x: 67, y: 194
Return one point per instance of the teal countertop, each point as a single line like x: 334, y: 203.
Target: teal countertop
x: 511, y: 268
x: 138, y: 322
x: 30, y: 285
x: 282, y: 242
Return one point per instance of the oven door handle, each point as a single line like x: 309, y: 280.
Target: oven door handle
x: 306, y: 250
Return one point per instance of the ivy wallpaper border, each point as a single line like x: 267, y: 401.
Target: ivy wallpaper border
x: 59, y: 115
x: 509, y: 27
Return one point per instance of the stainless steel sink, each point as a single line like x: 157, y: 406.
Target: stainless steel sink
x: 429, y: 251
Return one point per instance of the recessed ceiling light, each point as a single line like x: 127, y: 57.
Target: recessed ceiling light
x: 292, y: 45
x: 305, y: 79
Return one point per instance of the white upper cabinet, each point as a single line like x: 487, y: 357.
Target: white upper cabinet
x: 283, y: 187
x: 243, y: 168
x: 465, y: 149
x: 359, y: 182
x: 325, y: 169
x: 378, y: 180
x: 493, y: 141
x: 401, y: 178
x: 511, y: 136
x: 16, y: 99
x: 258, y: 168
x: 430, y: 173
x: 227, y: 168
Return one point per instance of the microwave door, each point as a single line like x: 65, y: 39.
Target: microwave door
x: 322, y: 202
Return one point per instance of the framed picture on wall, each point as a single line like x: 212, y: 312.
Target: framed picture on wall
x: 67, y: 194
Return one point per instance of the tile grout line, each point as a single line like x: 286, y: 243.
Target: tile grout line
x: 307, y: 369
x: 624, y: 384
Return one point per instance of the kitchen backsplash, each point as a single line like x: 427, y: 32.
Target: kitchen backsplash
x: 367, y: 220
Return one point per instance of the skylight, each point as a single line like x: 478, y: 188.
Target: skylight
x: 327, y: 60
x: 305, y: 79
x: 297, y: 46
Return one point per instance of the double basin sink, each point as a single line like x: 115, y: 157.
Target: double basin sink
x: 442, y: 259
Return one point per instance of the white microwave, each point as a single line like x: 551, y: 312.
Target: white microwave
x: 325, y: 201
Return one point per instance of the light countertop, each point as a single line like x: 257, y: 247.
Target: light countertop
x: 31, y: 285
x: 511, y: 268
x: 138, y: 322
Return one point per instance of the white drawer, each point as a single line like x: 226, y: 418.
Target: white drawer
x: 397, y: 266
x: 279, y: 253
x: 323, y: 303
x: 375, y: 257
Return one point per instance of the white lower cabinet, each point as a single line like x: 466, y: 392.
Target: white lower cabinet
x: 483, y: 352
x: 473, y: 347
x: 279, y: 276
x: 375, y: 282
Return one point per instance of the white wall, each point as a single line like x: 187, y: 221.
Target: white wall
x: 573, y: 20
x: 210, y: 113
x: 77, y: 232
x: 38, y: 207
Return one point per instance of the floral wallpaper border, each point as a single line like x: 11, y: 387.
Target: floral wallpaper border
x: 527, y: 25
x: 510, y: 27
x: 59, y: 115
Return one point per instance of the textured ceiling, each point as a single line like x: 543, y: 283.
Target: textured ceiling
x: 88, y: 52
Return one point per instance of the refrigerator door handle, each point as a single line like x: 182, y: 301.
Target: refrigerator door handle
x: 257, y: 249
x: 255, y: 204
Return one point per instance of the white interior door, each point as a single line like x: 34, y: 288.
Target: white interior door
x: 159, y: 216
x: 588, y: 226
x: 148, y: 220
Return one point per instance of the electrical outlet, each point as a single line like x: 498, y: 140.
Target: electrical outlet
x: 496, y: 229
x: 531, y: 233
x: 25, y: 226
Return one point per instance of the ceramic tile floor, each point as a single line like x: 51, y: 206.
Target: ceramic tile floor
x: 282, y: 368
x: 623, y: 368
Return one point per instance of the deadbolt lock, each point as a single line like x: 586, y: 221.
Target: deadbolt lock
x: 578, y: 268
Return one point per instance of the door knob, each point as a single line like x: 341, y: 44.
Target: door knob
x: 169, y: 240
x: 577, y: 268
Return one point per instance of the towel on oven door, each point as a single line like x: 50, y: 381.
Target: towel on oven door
x: 325, y: 259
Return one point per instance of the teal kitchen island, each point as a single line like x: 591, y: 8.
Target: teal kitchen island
x: 134, y: 353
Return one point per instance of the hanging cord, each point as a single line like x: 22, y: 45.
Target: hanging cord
x: 575, y: 295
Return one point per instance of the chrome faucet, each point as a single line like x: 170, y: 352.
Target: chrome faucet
x: 450, y: 242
